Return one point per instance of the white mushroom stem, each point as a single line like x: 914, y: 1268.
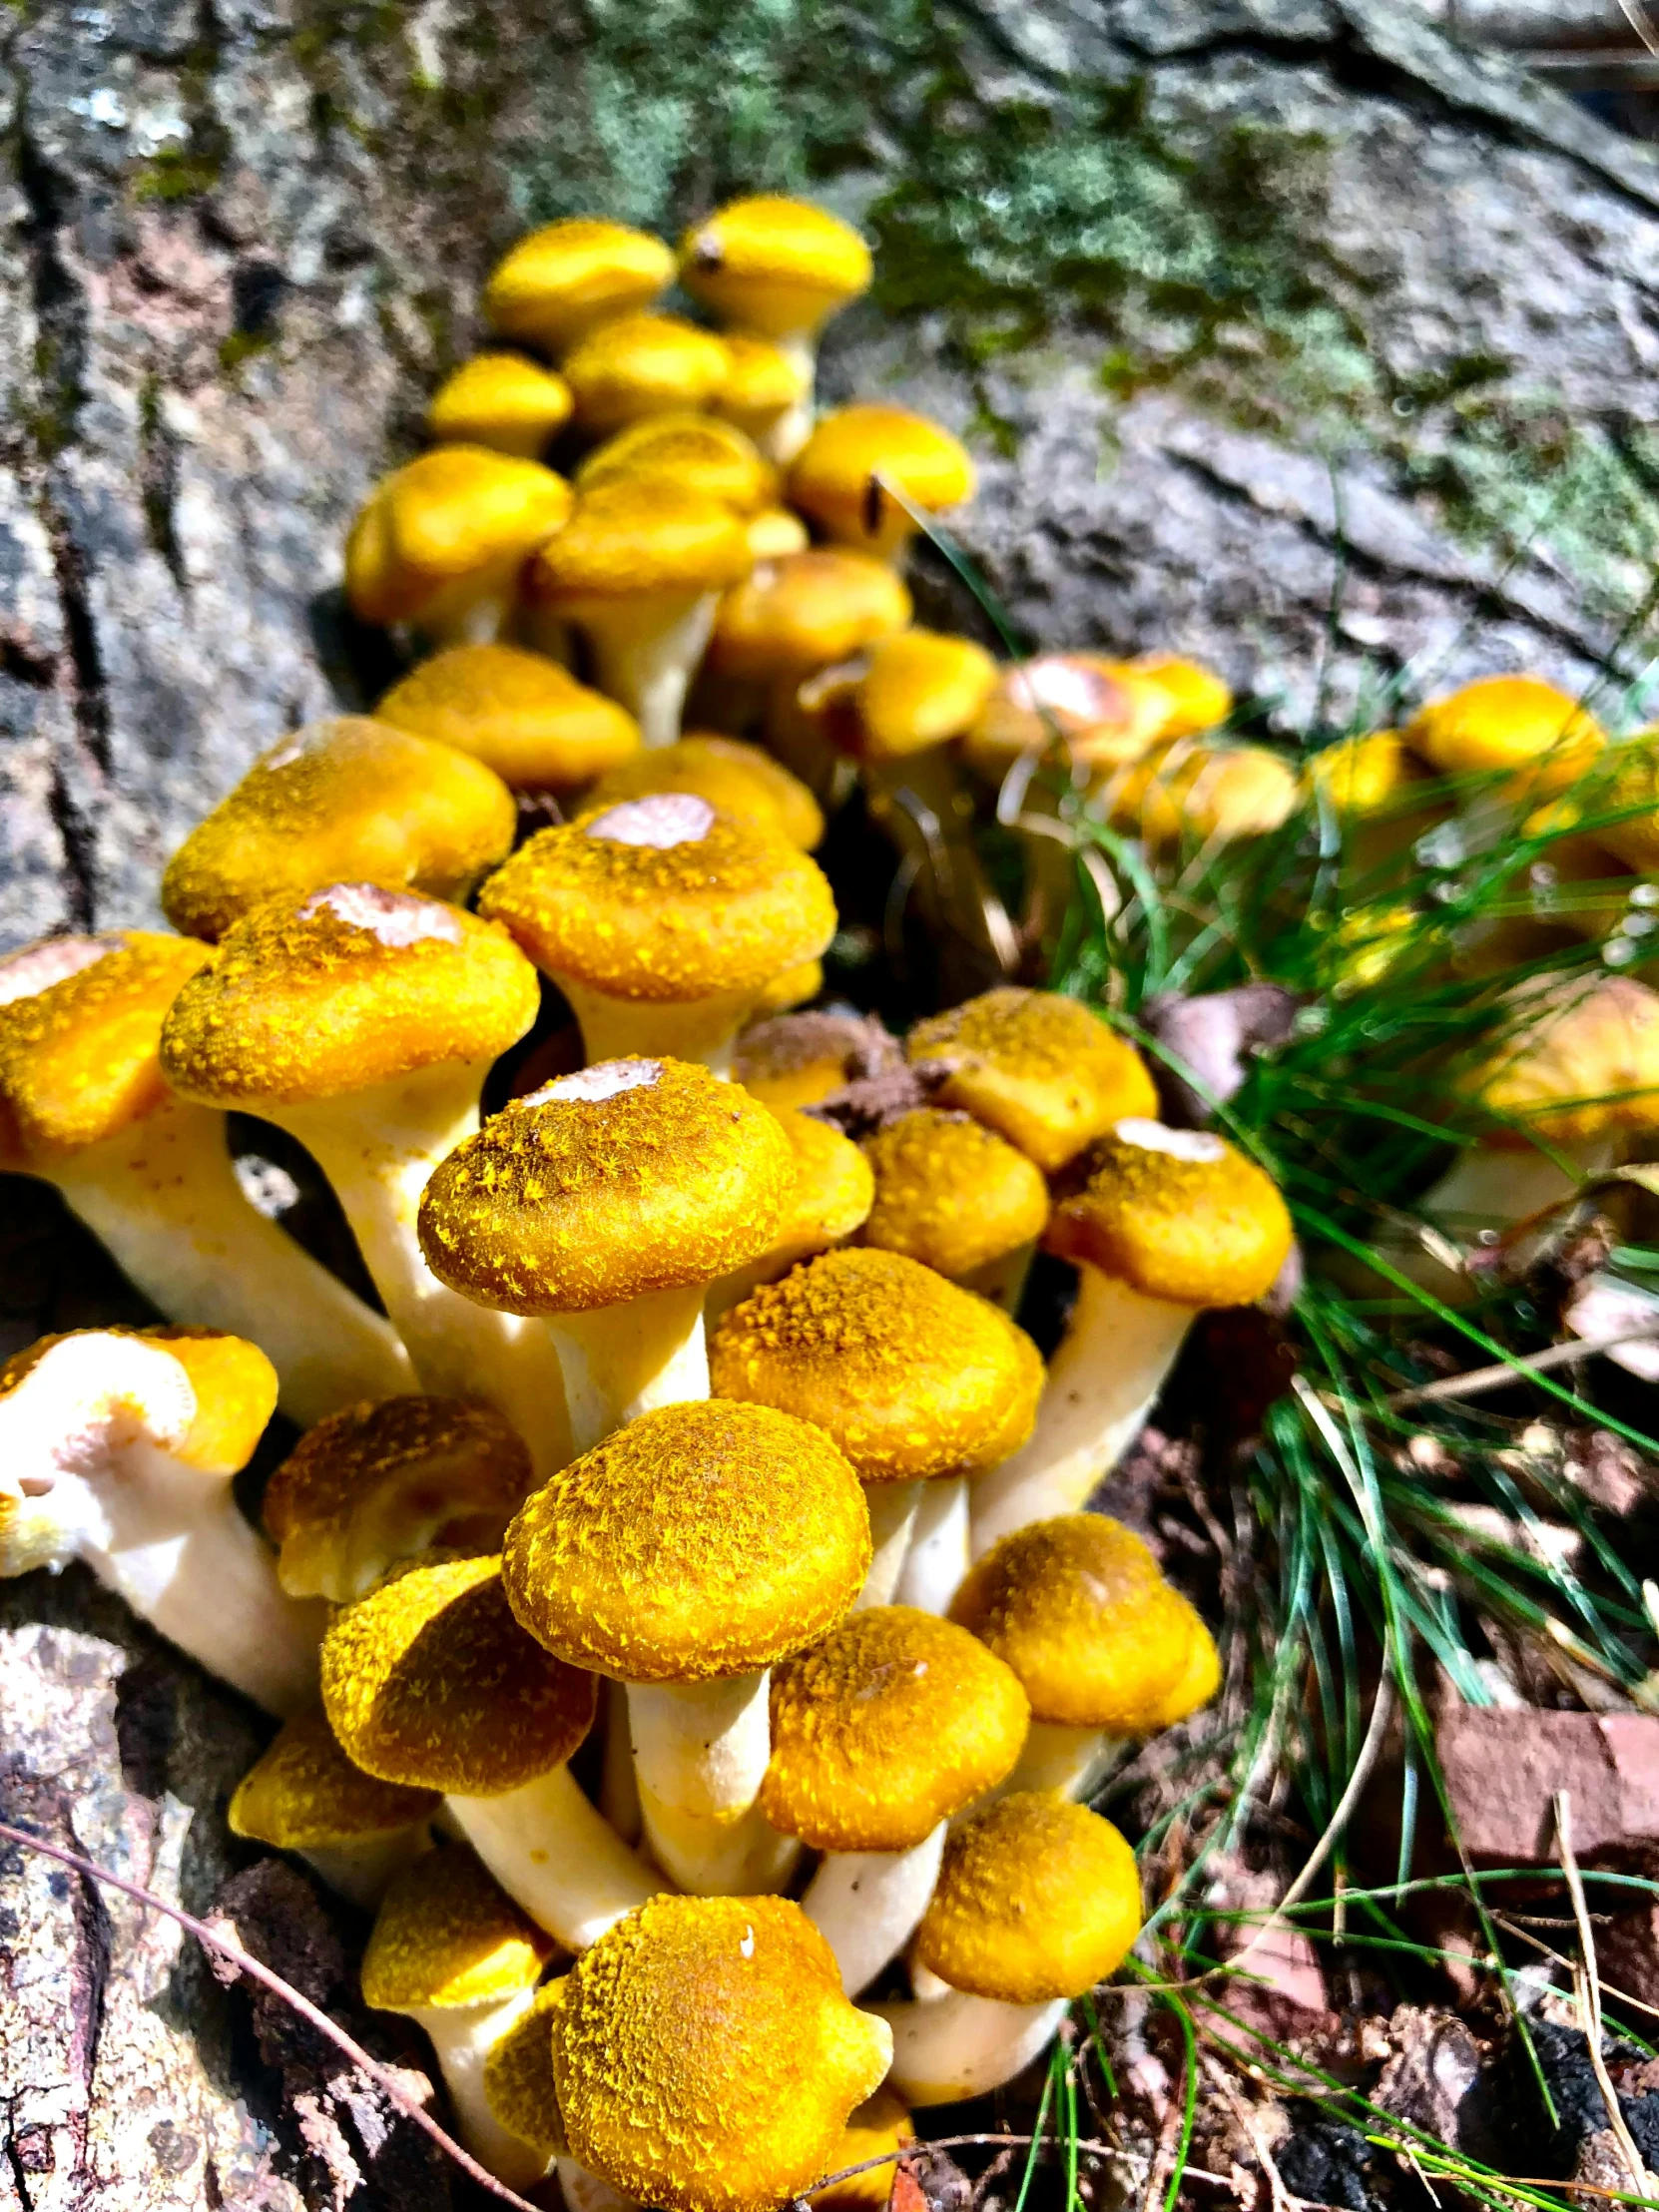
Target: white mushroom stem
x: 1003, y: 1278
x: 957, y: 2047
x: 938, y: 1555
x: 894, y: 1508
x: 646, y: 650
x: 1489, y: 1188
x: 585, y: 2192
x: 619, y: 1788
x: 1068, y: 1762
x: 701, y: 1029
x: 462, y: 2038
x: 475, y: 609
x: 622, y: 1360
x: 700, y: 1753
x: 866, y: 1904
x: 556, y: 1856
x: 162, y: 1195
x: 794, y: 427
x: 362, y: 1869
x: 1102, y: 1384
x: 378, y: 1147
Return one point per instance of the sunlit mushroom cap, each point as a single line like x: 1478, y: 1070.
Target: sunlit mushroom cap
x: 1176, y: 1213
x: 702, y: 1540
x: 1194, y: 791
x: 347, y: 797
x: 563, y: 279
x: 639, y: 538
x: 882, y: 2123
x: 793, y: 988
x: 1361, y: 778
x: 430, y: 1681
x: 762, y: 384
x: 775, y: 266
x: 805, y: 611
x: 519, y: 712
x: 235, y: 1387
x: 1102, y: 712
x: 1036, y: 1898
x: 950, y: 1191
x: 386, y: 1480
x: 1198, y: 698
x: 798, y: 1059
x: 1197, y: 1681
x: 349, y: 986
x: 663, y: 898
x: 910, y: 1375
x: 1574, y: 1060
x: 738, y: 778
x: 518, y: 2075
x: 644, y: 365
x: 80, y: 1023
x: 447, y: 1938
x: 434, y: 526
x: 1041, y: 1068
x: 1507, y: 722
x: 774, y: 534
x: 833, y: 1189
x: 844, y: 476
x: 696, y: 450
x: 500, y: 401
x: 304, y: 1794
x: 1079, y: 1610
x: 706, y: 2057
x: 921, y: 689
x: 629, y: 1177
x: 890, y: 1724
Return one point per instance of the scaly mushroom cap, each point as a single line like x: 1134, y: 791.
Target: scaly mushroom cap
x: 1041, y: 1069
x: 518, y: 2075
x: 950, y: 1191
x: 500, y: 401
x: 706, y: 2058
x: 386, y: 1481
x: 1361, y: 778
x: 665, y: 898
x: 798, y: 1059
x: 644, y: 365
x: 922, y: 687
x: 910, y: 1375
x: 762, y: 384
x: 805, y: 611
x: 703, y: 1539
x: 1196, y: 792
x: 1198, y: 698
x: 430, y: 1681
x: 1036, y: 1898
x: 882, y: 2123
x: 1506, y: 722
x: 627, y: 1177
x: 832, y: 1191
x: 1634, y: 783
x: 566, y: 278
x: 889, y: 1725
x: 1080, y: 1610
x: 775, y: 266
x: 80, y: 1024
x: 695, y: 450
x: 342, y: 799
x: 1176, y: 1213
x: 737, y: 778
x: 456, y: 512
x: 447, y: 1938
x: 519, y: 712
x: 349, y: 986
x: 1578, y: 1060
x: 1103, y: 712
x: 843, y: 477
x: 639, y: 538
x: 304, y: 1794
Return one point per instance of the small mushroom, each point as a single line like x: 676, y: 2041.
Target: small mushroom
x: 736, y: 777
x: 804, y: 1059
x: 766, y: 395
x: 696, y: 451
x: 303, y: 1795
x: 519, y: 712
x: 1527, y: 737
x: 1196, y: 792
x: 631, y: 367
x: 1379, y: 800
x: 806, y: 610
x: 880, y: 2125
x: 563, y: 281
x: 865, y: 468
x: 501, y: 400
x: 1100, y: 713
x: 958, y: 1196
x: 830, y: 1198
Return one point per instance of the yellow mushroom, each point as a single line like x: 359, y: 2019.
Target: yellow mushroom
x: 504, y: 401
x: 303, y: 1795
x: 440, y: 542
x: 865, y: 467
x: 958, y: 1196
x: 563, y: 281
x: 518, y: 713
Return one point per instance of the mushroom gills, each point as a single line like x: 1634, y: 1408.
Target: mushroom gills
x: 556, y: 1856
x: 955, y: 2046
x: 866, y: 1904
x: 622, y: 1360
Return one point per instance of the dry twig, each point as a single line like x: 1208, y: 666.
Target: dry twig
x: 1589, y: 1994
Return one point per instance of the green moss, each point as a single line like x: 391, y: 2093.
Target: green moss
x: 242, y: 345
x: 175, y: 172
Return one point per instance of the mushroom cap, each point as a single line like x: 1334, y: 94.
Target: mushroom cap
x: 952, y: 1193
x: 706, y: 2058
x: 448, y: 1937
x: 1577, y: 1059
x: 882, y: 2123
x: 638, y: 537
x: 804, y: 611
x: 518, y: 713
x: 832, y: 476
x: 793, y: 988
x: 890, y: 1724
x: 80, y: 1025
x: 1198, y: 698
x: 501, y: 400
x: 627, y: 1177
x: 1634, y: 783
x: 832, y: 1191
x: 1506, y: 722
x: 347, y: 988
x: 1197, y: 1681
x: 235, y: 1387
x: 701, y: 1540
x: 1041, y: 1069
x: 1079, y: 1610
x: 1176, y: 1213
x: 518, y: 2075
x: 910, y: 1375
x: 762, y: 383
x: 738, y: 778
x: 775, y: 266
x: 1361, y: 778
x: 457, y: 512
x: 1197, y: 791
x: 1036, y: 1898
x: 800, y: 1059
x: 430, y: 1681
x: 1103, y: 712
x: 774, y: 534
x: 349, y: 798
x: 304, y: 1793
x: 695, y: 450
x: 565, y: 277
x: 665, y: 898
x: 644, y: 365
x: 386, y: 1481
x: 922, y: 687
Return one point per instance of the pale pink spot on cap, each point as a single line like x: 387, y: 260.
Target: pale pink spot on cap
x: 665, y: 818
x: 1180, y: 1144
x: 592, y: 1086
x: 42, y: 965
x: 397, y: 918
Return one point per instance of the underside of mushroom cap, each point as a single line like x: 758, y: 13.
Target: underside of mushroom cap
x: 455, y: 512
x: 1036, y: 1898
x: 806, y: 610
x: 1504, y: 722
x: 519, y: 712
x: 430, y: 1681
x: 518, y: 2075
x: 775, y: 264
x: 447, y: 1936
x: 348, y: 798
x: 701, y: 1540
x: 636, y: 539
x: 1574, y: 1060
x: 706, y: 2058
x: 555, y: 283
x: 738, y: 778
x: 227, y: 1394
x: 952, y: 1193
x: 832, y: 476
x: 909, y: 1375
x: 890, y: 1724
x: 304, y: 1794
x: 349, y: 986
x: 697, y: 451
x: 630, y: 1177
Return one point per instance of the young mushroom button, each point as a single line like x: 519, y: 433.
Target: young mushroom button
x: 303, y: 1795
x: 641, y: 365
x: 960, y: 1199
x: 518, y: 713
x: 566, y: 278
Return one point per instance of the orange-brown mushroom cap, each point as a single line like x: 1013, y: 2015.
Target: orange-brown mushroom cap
x: 772, y: 265
x: 500, y: 401
x: 952, y: 1193
x: 639, y: 538
x: 697, y: 451
x: 737, y: 778
x: 804, y: 611
x: 644, y: 365
x: 1506, y: 722
x: 564, y: 279
x: 1576, y: 1060
x: 447, y: 1938
x: 456, y: 513
x: 304, y: 1794
x: 518, y: 2075
x: 518, y: 713
x: 844, y: 476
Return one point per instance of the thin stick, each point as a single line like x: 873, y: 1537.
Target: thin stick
x: 1479, y: 1380
x: 1590, y: 1983
x: 257, y: 1970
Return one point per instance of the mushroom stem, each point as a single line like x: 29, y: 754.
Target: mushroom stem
x: 461, y: 2038
x: 1068, y: 1762
x: 619, y: 1788
x: 361, y: 1871
x: 1003, y: 1278
x: 556, y: 1856
x: 938, y: 1555
x: 783, y: 440
x: 623, y: 1361
x: 701, y: 1029
x: 1489, y: 1186
x: 957, y: 2045
x: 866, y: 1904
x: 894, y: 1508
x: 585, y: 2192
x: 162, y: 1195
x: 645, y: 651
x: 1102, y: 1384
x: 476, y: 609
x: 700, y: 1752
